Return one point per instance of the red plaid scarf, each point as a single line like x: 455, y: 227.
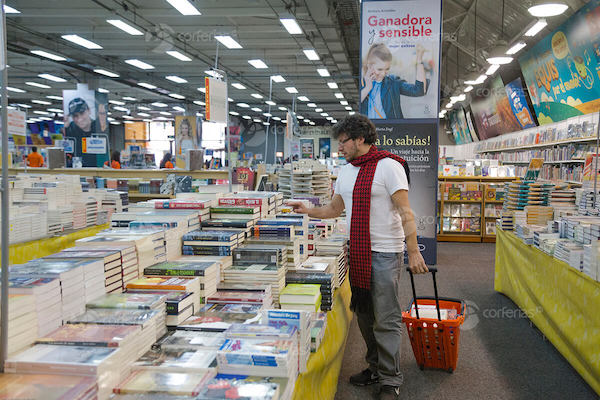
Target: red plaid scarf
x: 360, y: 235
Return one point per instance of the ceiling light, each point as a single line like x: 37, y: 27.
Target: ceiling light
x: 28, y: 106
x: 266, y: 123
x: 339, y: 95
x: 139, y: 64
x: 11, y: 10
x: 323, y: 72
x: 142, y: 114
x: 257, y: 96
x: 348, y: 108
x: 312, y: 123
x: 176, y: 79
x: 176, y: 96
x: 228, y: 42
x: 291, y: 26
x: 267, y: 114
x: 159, y: 104
x: 178, y: 108
x: 277, y: 78
x: 247, y: 117
x: 300, y: 117
x: 238, y: 86
x: 329, y: 118
x: 441, y: 115
x: 258, y: 64
x: 39, y: 85
x: 234, y: 113
x: 276, y: 119
x: 52, y: 78
x: 243, y: 105
x: 256, y: 109
x: 88, y: 44
x: 257, y: 120
x: 550, y: 9
x: 16, y: 90
x: 125, y: 27
x: 291, y: 89
x: 43, y: 102
x: 201, y: 89
x: 311, y: 54
x: 282, y: 109
x: 146, y: 85
x: 492, y: 69
x: 106, y: 73
x: 516, y: 48
x: 199, y: 114
x: 41, y: 112
x: 352, y: 113
x: 536, y: 28
x: 54, y: 97
x: 117, y: 102
x: 178, y: 55
x: 318, y: 110
x: 271, y: 103
x: 303, y: 98
x: 128, y: 117
x: 229, y: 99
x: 101, y: 90
x: 344, y: 102
x: 499, y: 60
x: 198, y: 102
x: 332, y: 85
x: 114, y: 123
x: 324, y: 114
x: 468, y: 89
x: 119, y: 108
x: 51, y: 56
x: 129, y: 98
x: 477, y: 81
x: 449, y: 105
x: 164, y: 113
x: 184, y: 7
x: 144, y: 108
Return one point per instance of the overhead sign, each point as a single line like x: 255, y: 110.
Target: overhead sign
x: 216, y: 100
x: 93, y: 145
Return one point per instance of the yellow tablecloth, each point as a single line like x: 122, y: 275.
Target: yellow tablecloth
x: 562, y: 302
x: 23, y: 252
x: 320, y: 381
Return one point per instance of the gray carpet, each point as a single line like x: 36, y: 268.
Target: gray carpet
x: 504, y: 357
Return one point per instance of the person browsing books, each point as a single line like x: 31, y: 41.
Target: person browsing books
x: 35, y: 159
x: 166, y: 161
x: 373, y: 188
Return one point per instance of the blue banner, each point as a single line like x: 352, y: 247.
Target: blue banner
x: 518, y: 103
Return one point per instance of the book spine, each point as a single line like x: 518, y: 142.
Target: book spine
x: 172, y: 272
x: 233, y: 210
x: 225, y: 237
x: 224, y: 224
x: 240, y: 202
x: 216, y: 251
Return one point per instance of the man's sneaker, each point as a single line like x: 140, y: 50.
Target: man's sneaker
x: 364, y: 378
x: 389, y: 393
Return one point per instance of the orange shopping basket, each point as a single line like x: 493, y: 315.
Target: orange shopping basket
x: 434, y: 341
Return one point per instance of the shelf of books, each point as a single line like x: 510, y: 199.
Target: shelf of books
x: 468, y: 208
x: 125, y: 173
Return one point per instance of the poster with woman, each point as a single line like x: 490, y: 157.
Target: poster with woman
x: 186, y: 137
x: 399, y: 55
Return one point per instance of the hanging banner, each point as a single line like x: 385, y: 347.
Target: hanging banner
x: 518, y: 103
x: 216, y: 100
x: 459, y: 126
x: 16, y: 122
x: 399, y: 92
x: 562, y: 70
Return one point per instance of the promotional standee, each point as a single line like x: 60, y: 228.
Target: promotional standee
x: 399, y: 91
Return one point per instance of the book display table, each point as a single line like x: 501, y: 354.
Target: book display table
x: 562, y: 302
x: 20, y: 253
x: 320, y: 381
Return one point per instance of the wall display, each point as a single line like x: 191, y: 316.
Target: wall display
x: 400, y: 58
x: 492, y: 111
x: 518, y: 103
x: 562, y: 70
x: 459, y: 126
x: 400, y: 54
x: 307, y: 148
x: 324, y: 147
x: 186, y: 137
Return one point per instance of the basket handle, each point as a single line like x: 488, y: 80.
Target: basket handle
x: 433, y: 271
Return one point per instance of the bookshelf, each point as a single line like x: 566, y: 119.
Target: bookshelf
x: 463, y: 215
x: 125, y: 173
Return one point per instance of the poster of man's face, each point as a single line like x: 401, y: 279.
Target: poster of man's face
x: 86, y: 111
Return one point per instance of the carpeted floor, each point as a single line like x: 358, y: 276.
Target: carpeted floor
x: 500, y: 358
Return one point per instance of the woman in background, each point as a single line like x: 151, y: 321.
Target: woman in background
x: 166, y: 161
x: 115, y: 160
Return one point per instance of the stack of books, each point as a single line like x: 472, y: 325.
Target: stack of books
x: 232, y: 212
x: 242, y: 386
x: 563, y: 202
x: 236, y: 225
x: 46, y: 386
x: 190, y: 285
x: 301, y: 320
x: 22, y: 322
x: 147, y: 382
x: 48, y: 305
x: 261, y: 274
x: 261, y: 296
x: 216, y: 321
x: 128, y: 258
x: 317, y: 331
x: 274, y: 199
x: 539, y: 215
x: 209, y: 243
x: 324, y: 280
x: 222, y: 261
x: 569, y: 252
x: 252, y: 202
x: 335, y: 246
x: 166, y: 359
x: 304, y: 297
x: 192, y: 340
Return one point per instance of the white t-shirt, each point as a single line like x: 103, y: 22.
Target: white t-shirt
x: 387, y: 233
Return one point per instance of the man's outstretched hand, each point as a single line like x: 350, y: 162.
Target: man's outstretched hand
x: 299, y: 207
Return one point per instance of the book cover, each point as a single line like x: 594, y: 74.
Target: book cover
x: 190, y: 360
x: 226, y: 223
x: 210, y: 235
x: 261, y: 331
x: 41, y: 386
x: 215, y: 321
x: 90, y: 335
x: 114, y: 317
x: 233, y: 308
x: 177, y: 268
x: 169, y: 383
x: 179, y: 283
x: 223, y: 389
x: 190, y: 340
x: 139, y: 301
x: 234, y: 210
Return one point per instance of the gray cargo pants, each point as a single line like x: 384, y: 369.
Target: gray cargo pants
x: 382, y: 328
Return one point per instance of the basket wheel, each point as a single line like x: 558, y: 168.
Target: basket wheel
x: 450, y: 370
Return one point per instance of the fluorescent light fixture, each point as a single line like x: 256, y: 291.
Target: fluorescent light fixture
x: 52, y: 78
x: 243, y: 105
x: 201, y: 89
x: 258, y: 64
x: 184, y: 7
x: 176, y: 96
x: 119, y: 108
x: 550, y: 9
x: 212, y: 73
x: 129, y: 98
x: 176, y: 79
x: 178, y: 55
x: 43, y: 102
x: 125, y: 27
x: 468, y: 89
x: 11, y: 10
x: 143, y: 114
x: 146, y: 85
x: 228, y: 42
x: 41, y: 112
x: 279, y: 154
x: 246, y: 117
x: 477, y: 81
x: 276, y: 119
x: 199, y: 114
x: 324, y: 114
x: 234, y: 113
x: 311, y: 105
x: 516, y: 48
x: 277, y: 78
x: 339, y: 95
x: 54, y: 97
x: 88, y: 44
x: 229, y: 99
x: 102, y: 90
x: 238, y: 86
x: 128, y: 117
x: 291, y: 89
x: 344, y: 102
x: 178, y: 108
x: 42, y: 118
x: 323, y: 72
x: 284, y: 121
x: 114, y: 123
x: 38, y: 85
x: 106, y: 73
x: 28, y: 106
x: 332, y: 85
x: 536, y: 28
x: 499, y: 60
x: 144, y: 108
x: 352, y: 113
x: 449, y: 105
x: 257, y: 96
x: 266, y: 123
x: 139, y: 64
x: 198, y: 102
x: 282, y: 109
x: 318, y: 110
x: 348, y: 108
x: 256, y: 109
x: 257, y: 120
x: 16, y: 90
x: 159, y: 104
x: 117, y: 102
x: 492, y: 69
x: 291, y: 25
x: 271, y: 103
x: 128, y: 122
x: 303, y: 98
x: 311, y: 54
x: 267, y: 114
x: 46, y: 54
x: 329, y: 118
x: 300, y: 117
x: 164, y: 113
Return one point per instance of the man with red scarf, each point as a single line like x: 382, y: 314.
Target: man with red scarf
x: 373, y: 188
